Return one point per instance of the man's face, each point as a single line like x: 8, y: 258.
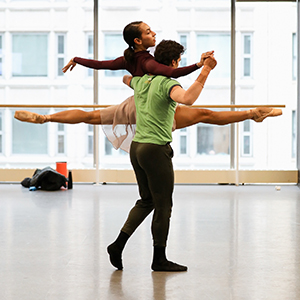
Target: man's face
x: 175, y: 63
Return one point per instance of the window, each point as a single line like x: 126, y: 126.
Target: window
x: 1, y: 134
x: 183, y: 140
x: 246, y: 138
x: 60, y: 38
x: 90, y: 51
x: 29, y: 138
x: 29, y: 54
x: 294, y: 75
x: 90, y: 139
x: 247, y: 55
x: 183, y: 40
x: 294, y: 134
x: 212, y: 140
x: 60, y: 138
x: 1, y: 55
x: 204, y: 139
x: 114, y: 47
x: 110, y: 150
x: 108, y: 147
x: 220, y: 43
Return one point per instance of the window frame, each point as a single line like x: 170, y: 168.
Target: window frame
x: 247, y: 55
x: 60, y: 55
x: 1, y: 132
x: 61, y: 134
x: 43, y: 33
x: 184, y: 132
x: 113, y: 73
x: 217, y: 74
x: 294, y: 134
x: 1, y: 54
x: 90, y: 139
x: 185, y: 55
x: 246, y: 134
x: 89, y: 54
x: 294, y: 56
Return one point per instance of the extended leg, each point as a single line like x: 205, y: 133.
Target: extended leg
x: 186, y: 116
x: 73, y: 116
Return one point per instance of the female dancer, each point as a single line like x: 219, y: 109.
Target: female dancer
x: 138, y: 61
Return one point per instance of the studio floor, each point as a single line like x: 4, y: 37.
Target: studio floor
x: 238, y: 243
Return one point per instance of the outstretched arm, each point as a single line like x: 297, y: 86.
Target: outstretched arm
x: 116, y: 64
x: 151, y: 66
x: 189, y: 96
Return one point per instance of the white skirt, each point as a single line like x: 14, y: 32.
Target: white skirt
x: 119, y: 123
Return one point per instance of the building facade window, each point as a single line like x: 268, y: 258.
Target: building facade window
x: 61, y: 53
x: 220, y: 43
x: 246, y: 138
x: 183, y: 40
x: 114, y: 47
x: 294, y: 134
x: 111, y: 151
x: 90, y: 51
x: 28, y: 138
x: 183, y: 139
x: 1, y: 134
x: 29, y: 54
x: 1, y: 54
x: 90, y: 141
x: 204, y: 139
x: 212, y: 140
x: 294, y: 70
x: 247, y: 54
x: 26, y: 76
x: 108, y: 147
x: 61, y: 138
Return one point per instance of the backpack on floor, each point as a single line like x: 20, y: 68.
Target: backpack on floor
x: 46, y: 179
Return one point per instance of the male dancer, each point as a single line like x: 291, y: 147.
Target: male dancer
x: 151, y: 155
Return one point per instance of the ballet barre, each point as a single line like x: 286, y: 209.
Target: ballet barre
x: 104, y: 106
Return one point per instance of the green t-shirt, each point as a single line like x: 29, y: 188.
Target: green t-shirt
x: 154, y: 109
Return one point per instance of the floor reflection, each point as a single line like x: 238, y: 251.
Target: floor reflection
x: 238, y: 243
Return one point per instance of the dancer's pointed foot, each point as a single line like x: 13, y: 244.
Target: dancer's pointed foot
x: 260, y: 113
x: 168, y: 266
x: 115, y: 256
x: 31, y: 117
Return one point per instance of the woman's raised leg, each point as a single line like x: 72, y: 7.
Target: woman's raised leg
x: 186, y: 116
x: 73, y: 116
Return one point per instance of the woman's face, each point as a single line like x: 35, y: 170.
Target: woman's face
x: 147, y: 36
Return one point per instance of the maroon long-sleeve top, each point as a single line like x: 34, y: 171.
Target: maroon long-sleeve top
x: 144, y: 63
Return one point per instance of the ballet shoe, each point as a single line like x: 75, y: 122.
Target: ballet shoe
x: 31, y: 117
x: 260, y: 113
x: 167, y: 266
x: 115, y: 256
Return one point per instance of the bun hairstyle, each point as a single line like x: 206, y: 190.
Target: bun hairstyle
x: 130, y: 32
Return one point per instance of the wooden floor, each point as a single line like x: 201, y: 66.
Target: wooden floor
x: 238, y: 243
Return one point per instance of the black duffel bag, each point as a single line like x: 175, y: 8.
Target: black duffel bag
x: 46, y: 179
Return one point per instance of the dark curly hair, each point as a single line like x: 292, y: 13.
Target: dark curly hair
x: 167, y: 51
